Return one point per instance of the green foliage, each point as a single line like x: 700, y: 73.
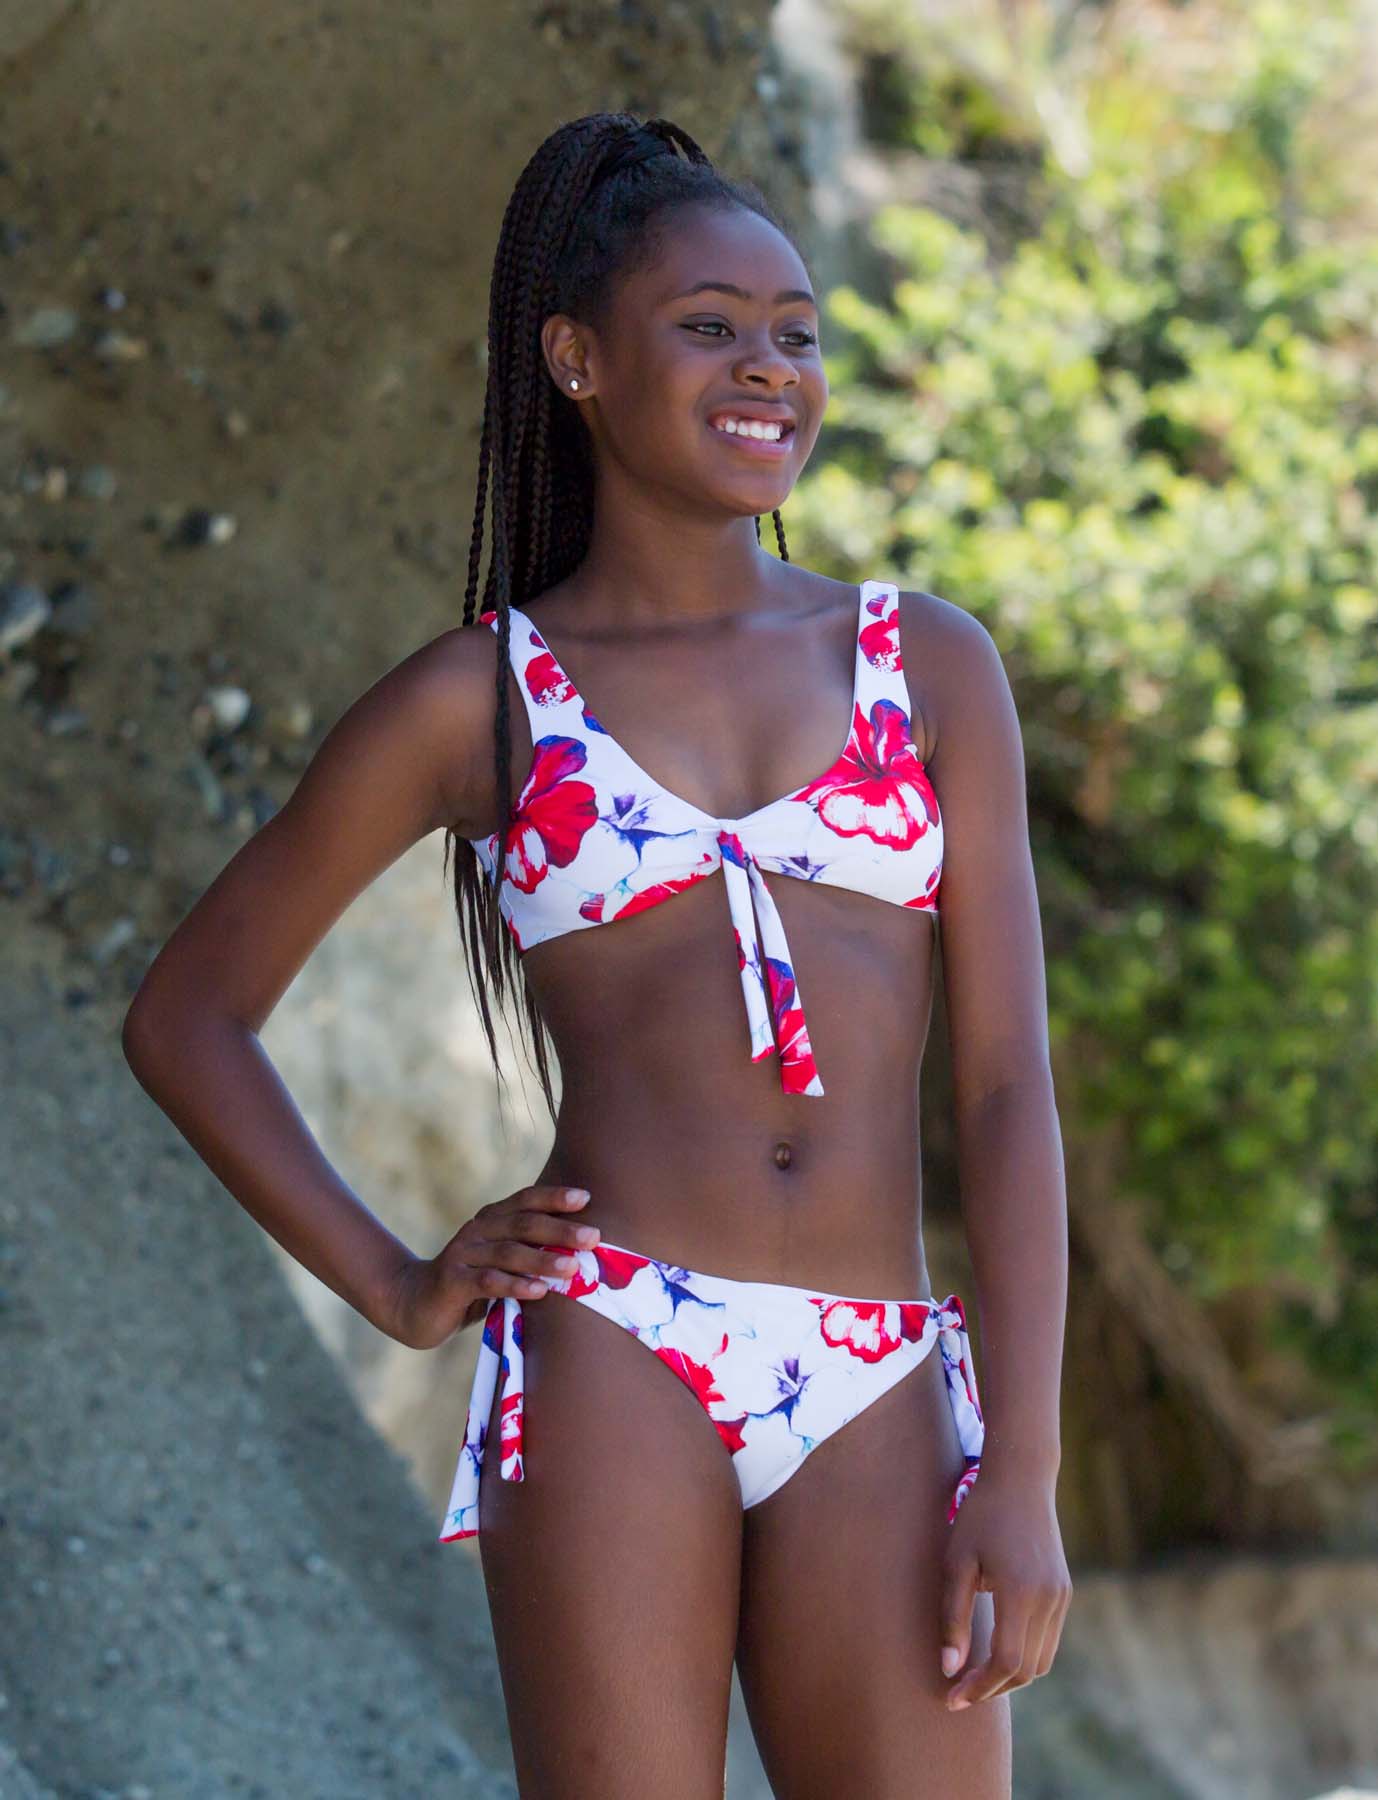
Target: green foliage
x: 1144, y: 451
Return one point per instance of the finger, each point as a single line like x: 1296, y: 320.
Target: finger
x: 530, y: 1259
x: 1041, y: 1647
x: 1004, y: 1660
x: 1028, y: 1657
x: 497, y: 1283
x: 959, y: 1596
x: 1052, y: 1635
x: 547, y: 1197
x: 549, y: 1228
x: 542, y: 1197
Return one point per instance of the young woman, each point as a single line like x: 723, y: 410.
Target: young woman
x: 733, y: 766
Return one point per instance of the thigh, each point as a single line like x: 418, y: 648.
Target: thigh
x: 613, y: 1570
x: 840, y: 1628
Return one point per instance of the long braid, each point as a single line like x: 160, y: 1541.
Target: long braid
x: 587, y: 209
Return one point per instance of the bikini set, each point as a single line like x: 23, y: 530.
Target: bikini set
x: 777, y: 1369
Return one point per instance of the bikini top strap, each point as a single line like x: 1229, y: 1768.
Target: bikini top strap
x: 548, y: 693
x: 879, y: 663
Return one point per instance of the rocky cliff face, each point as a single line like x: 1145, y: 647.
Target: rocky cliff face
x: 245, y: 291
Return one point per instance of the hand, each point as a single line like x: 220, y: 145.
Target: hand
x: 504, y: 1249
x: 1005, y: 1541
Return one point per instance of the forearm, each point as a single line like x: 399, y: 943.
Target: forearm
x: 1014, y: 1208
x: 212, y: 1077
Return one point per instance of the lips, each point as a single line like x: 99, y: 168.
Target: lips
x: 744, y: 443
x: 750, y: 415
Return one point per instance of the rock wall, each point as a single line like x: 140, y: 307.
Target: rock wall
x: 244, y: 295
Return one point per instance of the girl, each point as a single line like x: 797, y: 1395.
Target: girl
x: 717, y: 885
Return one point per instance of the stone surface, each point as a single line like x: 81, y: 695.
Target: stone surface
x: 218, y: 1579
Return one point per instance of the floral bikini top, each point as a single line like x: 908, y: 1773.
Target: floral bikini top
x: 594, y: 838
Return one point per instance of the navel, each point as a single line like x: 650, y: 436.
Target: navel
x: 784, y: 1154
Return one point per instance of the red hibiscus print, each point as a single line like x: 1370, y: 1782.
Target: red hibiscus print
x: 579, y: 1283
x: 913, y: 1319
x: 698, y: 1378
x: 730, y: 1431
x: 546, y: 681
x: 859, y: 1325
x: 928, y: 899
x: 880, y: 643
x: 797, y: 1065
x: 510, y: 1435
x: 961, y: 1491
x: 553, y: 815
x: 618, y: 1266
x: 878, y: 787
x: 661, y: 890
x: 695, y: 1376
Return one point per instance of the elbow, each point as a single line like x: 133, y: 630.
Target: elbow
x: 138, y: 1035
x: 165, y: 1026
x: 152, y: 1023
x: 998, y: 1087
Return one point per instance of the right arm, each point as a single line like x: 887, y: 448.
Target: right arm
x: 413, y: 754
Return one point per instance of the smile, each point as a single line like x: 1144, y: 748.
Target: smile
x: 756, y: 436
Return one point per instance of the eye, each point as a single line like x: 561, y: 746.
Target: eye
x: 701, y: 324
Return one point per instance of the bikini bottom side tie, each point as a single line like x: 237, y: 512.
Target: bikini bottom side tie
x: 777, y: 1369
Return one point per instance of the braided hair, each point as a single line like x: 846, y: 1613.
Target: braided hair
x: 590, y: 207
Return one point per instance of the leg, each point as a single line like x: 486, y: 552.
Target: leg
x: 840, y: 1630
x: 612, y: 1569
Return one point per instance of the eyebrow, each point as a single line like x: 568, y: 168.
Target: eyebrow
x: 741, y: 293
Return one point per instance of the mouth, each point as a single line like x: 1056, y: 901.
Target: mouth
x: 756, y: 437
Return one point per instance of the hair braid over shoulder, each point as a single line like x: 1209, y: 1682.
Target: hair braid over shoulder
x: 591, y: 206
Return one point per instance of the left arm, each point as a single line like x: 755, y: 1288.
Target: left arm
x: 1009, y: 1147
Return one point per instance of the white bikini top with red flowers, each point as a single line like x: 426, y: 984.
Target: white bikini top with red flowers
x: 594, y: 838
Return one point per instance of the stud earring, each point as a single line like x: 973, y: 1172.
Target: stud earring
x: 573, y: 385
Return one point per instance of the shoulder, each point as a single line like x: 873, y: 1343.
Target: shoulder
x: 953, y: 665
x: 943, y: 628
x: 452, y: 665
x: 446, y: 681
x: 437, y: 709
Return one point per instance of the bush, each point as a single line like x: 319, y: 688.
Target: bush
x: 1144, y: 452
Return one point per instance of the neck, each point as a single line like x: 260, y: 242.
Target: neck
x: 637, y: 573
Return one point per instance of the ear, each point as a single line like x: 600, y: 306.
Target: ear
x: 566, y: 357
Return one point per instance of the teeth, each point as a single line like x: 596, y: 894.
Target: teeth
x: 757, y: 428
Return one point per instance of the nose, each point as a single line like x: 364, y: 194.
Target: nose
x: 766, y: 362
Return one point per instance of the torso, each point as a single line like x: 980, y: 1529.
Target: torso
x: 692, y: 1153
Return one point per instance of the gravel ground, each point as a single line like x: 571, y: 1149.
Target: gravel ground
x: 218, y: 1580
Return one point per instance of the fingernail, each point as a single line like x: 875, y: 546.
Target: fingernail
x: 957, y: 1705
x: 578, y: 1195
x: 586, y: 1234
x: 566, y: 1262
x: 952, y: 1659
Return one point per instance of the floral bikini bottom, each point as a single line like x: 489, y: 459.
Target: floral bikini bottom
x: 777, y: 1369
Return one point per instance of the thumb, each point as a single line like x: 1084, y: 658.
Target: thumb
x: 959, y: 1595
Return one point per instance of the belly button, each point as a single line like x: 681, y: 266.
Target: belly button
x: 784, y: 1156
